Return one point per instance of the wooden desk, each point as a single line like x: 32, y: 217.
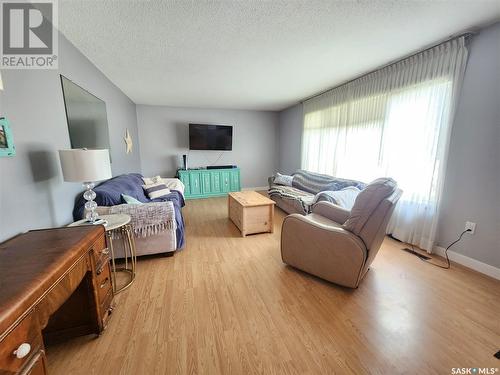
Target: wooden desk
x: 54, y: 284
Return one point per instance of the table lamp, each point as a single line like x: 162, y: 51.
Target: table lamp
x: 86, y: 166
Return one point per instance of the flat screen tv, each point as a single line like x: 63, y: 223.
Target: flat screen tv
x: 210, y: 137
x: 87, y: 117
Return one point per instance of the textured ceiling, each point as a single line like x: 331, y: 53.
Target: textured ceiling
x: 253, y: 54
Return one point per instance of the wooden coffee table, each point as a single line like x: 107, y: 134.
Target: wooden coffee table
x: 251, y: 212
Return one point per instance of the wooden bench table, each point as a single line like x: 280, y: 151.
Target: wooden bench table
x: 251, y: 212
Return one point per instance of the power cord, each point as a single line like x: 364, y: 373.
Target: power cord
x: 216, y: 160
x: 447, y: 267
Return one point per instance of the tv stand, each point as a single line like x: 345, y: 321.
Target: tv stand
x: 205, y: 183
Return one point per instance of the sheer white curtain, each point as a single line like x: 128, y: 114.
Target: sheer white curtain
x: 394, y: 122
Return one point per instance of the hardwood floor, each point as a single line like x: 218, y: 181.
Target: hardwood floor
x: 228, y: 305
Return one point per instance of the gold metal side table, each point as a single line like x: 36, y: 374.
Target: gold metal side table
x: 118, y: 226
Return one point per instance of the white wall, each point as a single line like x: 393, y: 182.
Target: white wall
x: 32, y: 192
x: 472, y: 185
x: 163, y: 134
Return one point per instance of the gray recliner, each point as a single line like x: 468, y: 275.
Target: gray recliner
x: 336, y: 244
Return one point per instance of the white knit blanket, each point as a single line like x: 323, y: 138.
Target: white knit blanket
x: 146, y: 219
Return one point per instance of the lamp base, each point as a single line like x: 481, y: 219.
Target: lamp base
x: 92, y: 216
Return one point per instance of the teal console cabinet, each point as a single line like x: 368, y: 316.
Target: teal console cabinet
x: 204, y: 183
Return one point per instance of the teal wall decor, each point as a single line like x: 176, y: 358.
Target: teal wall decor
x: 7, y: 147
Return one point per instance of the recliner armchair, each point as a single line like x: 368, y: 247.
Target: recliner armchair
x: 336, y: 244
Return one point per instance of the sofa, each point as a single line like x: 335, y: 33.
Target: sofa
x: 336, y: 244
x: 158, y: 224
x: 308, y: 188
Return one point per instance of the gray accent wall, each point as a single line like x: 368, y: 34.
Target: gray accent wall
x: 290, y: 139
x: 32, y: 191
x: 163, y: 133
x: 472, y: 185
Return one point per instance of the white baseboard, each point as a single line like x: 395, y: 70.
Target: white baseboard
x: 258, y: 188
x: 469, y: 262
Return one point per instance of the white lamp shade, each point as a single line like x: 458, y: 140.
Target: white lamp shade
x: 82, y: 165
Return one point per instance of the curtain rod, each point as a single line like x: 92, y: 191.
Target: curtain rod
x: 423, y: 49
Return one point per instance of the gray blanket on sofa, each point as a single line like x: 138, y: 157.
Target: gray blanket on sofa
x: 315, y: 182
x: 309, y: 188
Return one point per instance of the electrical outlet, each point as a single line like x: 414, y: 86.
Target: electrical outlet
x: 470, y: 225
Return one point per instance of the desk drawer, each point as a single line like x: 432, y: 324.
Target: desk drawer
x: 102, y: 267
x: 99, y: 251
x: 36, y: 365
x: 106, y: 308
x: 104, y: 283
x: 27, y: 332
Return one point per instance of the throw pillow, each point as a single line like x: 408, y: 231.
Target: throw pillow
x: 151, y: 180
x: 130, y: 200
x: 157, y: 190
x: 283, y: 179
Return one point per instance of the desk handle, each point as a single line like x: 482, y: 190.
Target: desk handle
x: 104, y: 282
x: 100, y: 269
x: 22, y: 351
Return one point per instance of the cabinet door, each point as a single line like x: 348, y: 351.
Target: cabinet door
x: 184, y: 177
x: 235, y: 180
x: 215, y: 182
x: 206, y: 183
x: 225, y: 181
x: 195, y: 183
